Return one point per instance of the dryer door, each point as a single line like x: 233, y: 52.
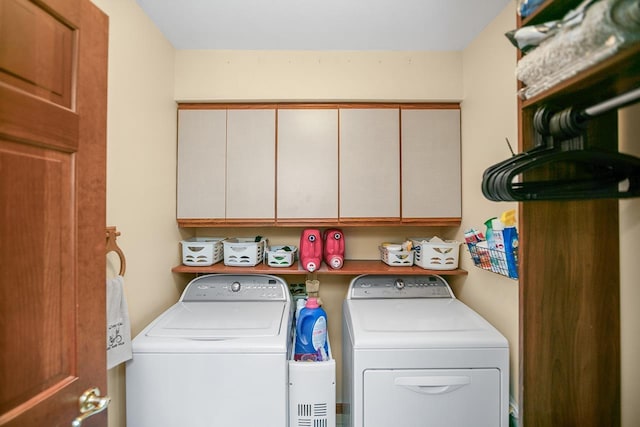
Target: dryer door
x: 432, y: 397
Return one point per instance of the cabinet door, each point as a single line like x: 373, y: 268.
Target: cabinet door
x: 201, y: 163
x: 251, y: 157
x: 431, y: 186
x: 369, y: 163
x: 307, y: 164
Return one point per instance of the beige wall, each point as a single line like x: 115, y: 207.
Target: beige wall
x: 141, y: 164
x: 630, y: 271
x: 146, y: 75
x: 317, y: 76
x: 489, y: 115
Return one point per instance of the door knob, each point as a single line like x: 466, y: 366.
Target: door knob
x: 90, y: 403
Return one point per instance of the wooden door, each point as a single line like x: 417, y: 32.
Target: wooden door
x: 53, y: 80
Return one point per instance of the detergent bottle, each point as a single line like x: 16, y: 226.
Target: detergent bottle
x: 334, y: 248
x: 311, y: 333
x: 510, y: 234
x: 310, y: 249
x: 491, y: 244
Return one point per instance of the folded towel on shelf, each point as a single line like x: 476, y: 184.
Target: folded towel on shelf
x: 118, y: 324
x: 583, y: 40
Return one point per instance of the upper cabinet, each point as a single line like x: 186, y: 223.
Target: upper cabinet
x: 251, y: 164
x: 202, y: 141
x: 311, y: 164
x: 226, y: 165
x: 431, y: 176
x: 369, y: 163
x: 307, y: 177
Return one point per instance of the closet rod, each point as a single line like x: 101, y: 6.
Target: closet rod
x: 615, y: 102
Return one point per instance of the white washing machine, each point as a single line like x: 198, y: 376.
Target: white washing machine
x: 218, y: 357
x: 413, y: 355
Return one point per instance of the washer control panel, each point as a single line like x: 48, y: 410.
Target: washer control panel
x: 403, y: 286
x: 236, y: 287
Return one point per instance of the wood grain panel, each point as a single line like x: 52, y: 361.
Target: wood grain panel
x: 52, y: 209
x: 55, y: 128
x: 37, y: 52
x: 569, y: 309
x: 35, y: 301
x: 569, y: 304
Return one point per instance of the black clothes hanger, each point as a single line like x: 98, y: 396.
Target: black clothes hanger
x: 561, y: 166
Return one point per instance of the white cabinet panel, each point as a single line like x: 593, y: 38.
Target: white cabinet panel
x: 431, y: 181
x: 251, y: 136
x: 327, y: 163
x: 369, y: 163
x: 201, y: 163
x: 307, y: 176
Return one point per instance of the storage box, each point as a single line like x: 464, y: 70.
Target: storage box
x: 435, y: 255
x: 202, y: 251
x: 312, y: 392
x: 395, y: 257
x: 277, y: 256
x: 244, y: 251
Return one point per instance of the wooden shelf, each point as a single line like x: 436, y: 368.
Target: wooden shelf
x: 548, y: 11
x: 350, y: 268
x: 569, y: 329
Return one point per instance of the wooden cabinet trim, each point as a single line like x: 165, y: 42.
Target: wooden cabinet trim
x: 319, y: 105
x: 314, y: 222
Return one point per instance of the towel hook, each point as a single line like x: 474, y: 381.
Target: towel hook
x: 112, y: 246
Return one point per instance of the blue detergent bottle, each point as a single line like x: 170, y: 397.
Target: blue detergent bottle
x: 511, y: 241
x: 311, y: 333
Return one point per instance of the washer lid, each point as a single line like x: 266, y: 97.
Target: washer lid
x: 220, y: 320
x: 418, y: 323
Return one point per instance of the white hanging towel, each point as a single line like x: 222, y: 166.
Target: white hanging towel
x: 118, y: 324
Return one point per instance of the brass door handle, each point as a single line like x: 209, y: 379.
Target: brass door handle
x: 90, y: 403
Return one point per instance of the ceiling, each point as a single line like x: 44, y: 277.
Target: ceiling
x: 397, y: 25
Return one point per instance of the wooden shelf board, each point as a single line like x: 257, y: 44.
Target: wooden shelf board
x: 350, y: 267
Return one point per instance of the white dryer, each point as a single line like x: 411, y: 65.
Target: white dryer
x: 218, y: 357
x: 413, y: 355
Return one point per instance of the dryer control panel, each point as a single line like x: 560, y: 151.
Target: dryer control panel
x: 403, y: 286
x: 236, y: 287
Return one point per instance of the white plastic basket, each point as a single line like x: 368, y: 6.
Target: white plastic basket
x: 243, y: 251
x: 435, y: 255
x: 202, y: 251
x: 278, y: 256
x: 396, y: 258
